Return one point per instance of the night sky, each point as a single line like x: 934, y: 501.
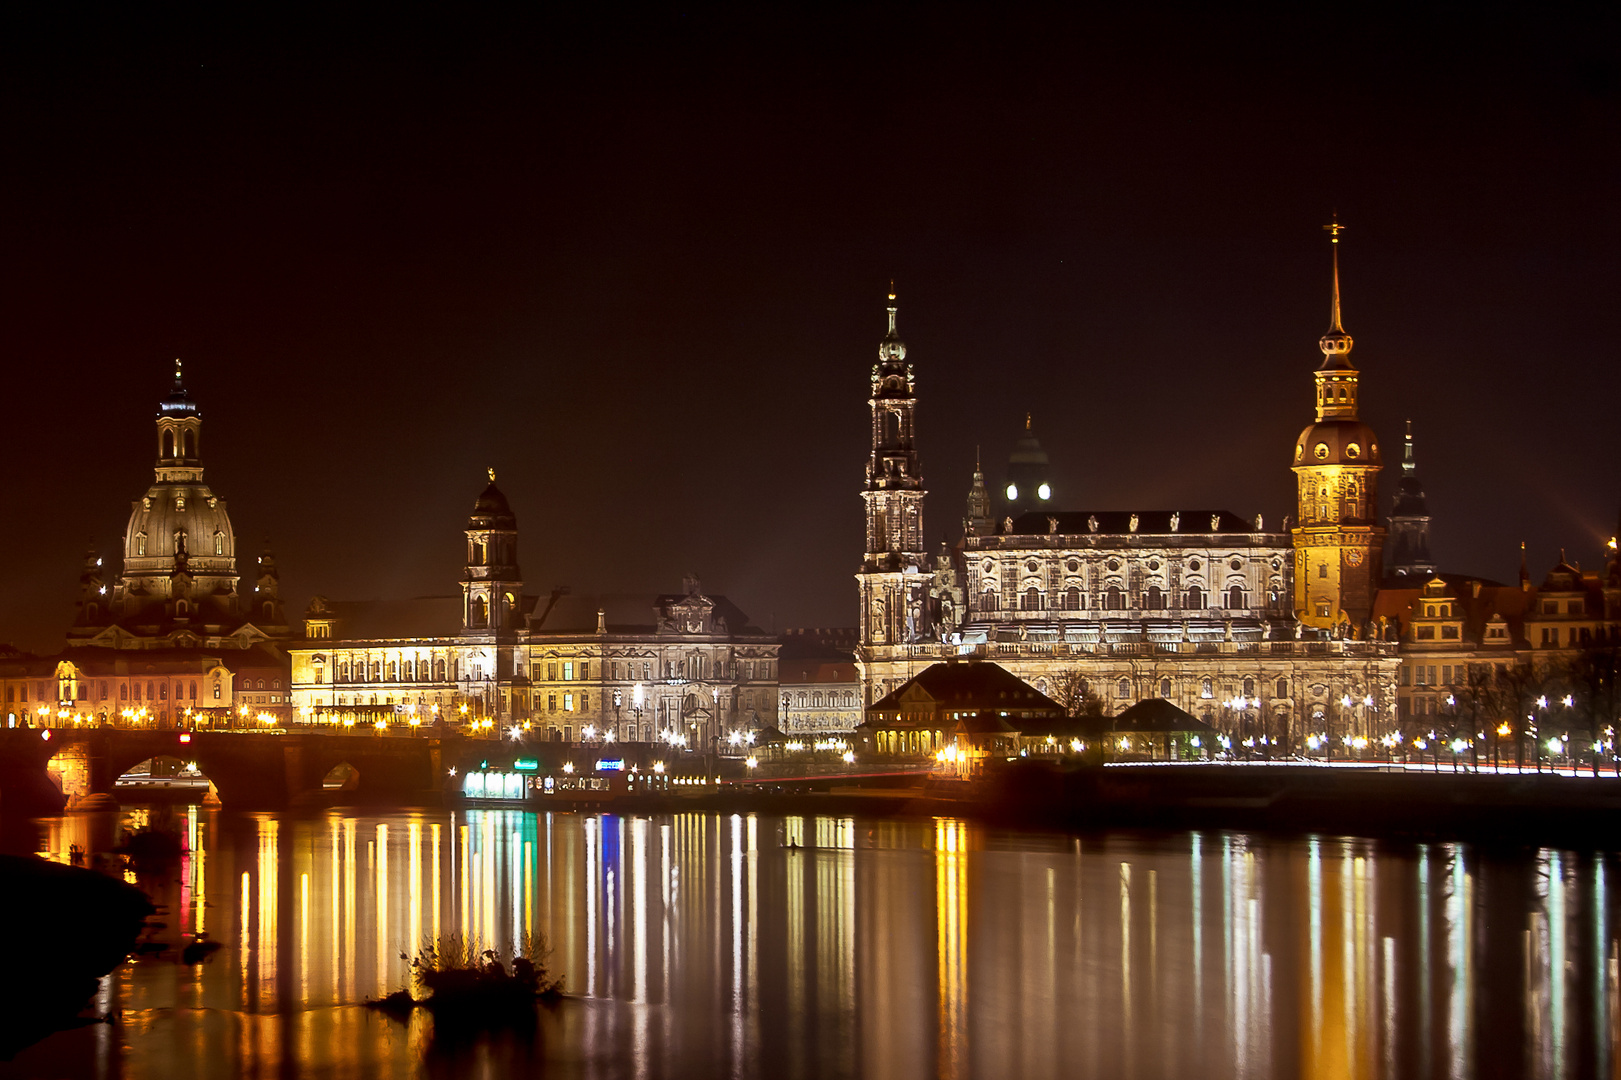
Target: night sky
x: 638, y: 263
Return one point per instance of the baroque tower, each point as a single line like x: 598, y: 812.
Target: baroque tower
x: 893, y: 579
x: 1337, y: 539
x: 1410, y: 522
x: 492, y: 587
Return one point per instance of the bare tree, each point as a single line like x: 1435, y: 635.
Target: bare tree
x: 1071, y: 690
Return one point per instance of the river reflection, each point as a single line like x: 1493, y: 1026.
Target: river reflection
x: 706, y: 945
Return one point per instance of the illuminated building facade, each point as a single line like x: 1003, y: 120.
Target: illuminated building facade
x: 1201, y: 607
x: 685, y: 667
x: 819, y: 697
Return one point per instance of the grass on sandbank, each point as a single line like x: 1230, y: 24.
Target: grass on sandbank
x: 454, y: 978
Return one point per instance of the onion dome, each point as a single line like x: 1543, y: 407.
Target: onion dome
x: 491, y: 511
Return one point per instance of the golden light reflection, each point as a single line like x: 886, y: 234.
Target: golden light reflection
x: 700, y: 934
x: 951, y: 913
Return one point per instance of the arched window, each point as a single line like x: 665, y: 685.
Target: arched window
x: 219, y: 542
x: 1249, y: 687
x: 1282, y: 688
x: 182, y: 607
x: 1032, y: 600
x: 193, y: 688
x: 1195, y: 598
x: 439, y: 667
x: 478, y: 613
x: 168, y: 444
x: 1114, y: 599
x: 393, y: 671
x: 1155, y: 600
x: 1206, y: 689
x: 1165, y: 688
x: 1072, y: 599
x: 190, y: 443
x: 1235, y: 597
x: 800, y: 699
x: 987, y: 600
x: 1122, y: 689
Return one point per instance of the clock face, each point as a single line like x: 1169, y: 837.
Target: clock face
x: 1012, y: 492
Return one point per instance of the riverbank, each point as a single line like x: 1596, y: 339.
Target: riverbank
x: 71, y: 926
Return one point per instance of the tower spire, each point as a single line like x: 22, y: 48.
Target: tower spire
x: 1334, y: 228
x: 1407, y: 463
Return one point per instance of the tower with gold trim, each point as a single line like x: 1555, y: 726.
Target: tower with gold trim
x: 893, y: 578
x: 1337, y: 538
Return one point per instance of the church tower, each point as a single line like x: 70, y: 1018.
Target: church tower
x: 1410, y: 522
x: 1029, y: 475
x: 978, y: 521
x: 893, y: 580
x: 1337, y: 539
x: 492, y: 587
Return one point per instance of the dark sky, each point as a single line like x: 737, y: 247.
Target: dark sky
x: 637, y: 263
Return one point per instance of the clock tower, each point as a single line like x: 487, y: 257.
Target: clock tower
x: 1337, y: 538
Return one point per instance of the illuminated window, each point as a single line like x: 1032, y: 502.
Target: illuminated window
x: 1165, y: 688
x: 1206, y: 689
x: 1122, y: 689
x: 568, y: 671
x: 568, y: 702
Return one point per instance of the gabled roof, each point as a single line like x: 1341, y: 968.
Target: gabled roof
x: 815, y: 671
x: 386, y: 620
x: 1157, y: 714
x: 966, y: 686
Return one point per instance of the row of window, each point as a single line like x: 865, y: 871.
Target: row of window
x: 815, y: 699
x: 695, y: 668
x: 1207, y: 687
x: 1114, y: 599
x: 131, y: 691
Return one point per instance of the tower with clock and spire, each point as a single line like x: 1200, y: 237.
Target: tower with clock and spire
x: 1338, y: 542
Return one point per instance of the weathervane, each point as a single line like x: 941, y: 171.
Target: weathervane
x: 1334, y: 228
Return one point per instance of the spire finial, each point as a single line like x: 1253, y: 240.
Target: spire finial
x: 177, y: 373
x: 1334, y: 228
x: 491, y: 471
x: 1027, y: 421
x: 1407, y: 463
x: 976, y: 458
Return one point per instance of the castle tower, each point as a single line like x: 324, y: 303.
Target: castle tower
x: 492, y: 587
x: 893, y: 580
x: 1410, y: 522
x: 1337, y: 539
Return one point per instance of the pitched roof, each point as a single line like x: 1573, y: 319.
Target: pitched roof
x: 1157, y: 714
x: 815, y: 671
x: 970, y: 685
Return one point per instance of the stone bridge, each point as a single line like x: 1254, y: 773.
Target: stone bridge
x: 248, y: 770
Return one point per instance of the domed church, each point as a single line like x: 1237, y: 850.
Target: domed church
x: 179, y: 586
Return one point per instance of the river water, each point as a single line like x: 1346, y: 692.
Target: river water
x: 703, y: 945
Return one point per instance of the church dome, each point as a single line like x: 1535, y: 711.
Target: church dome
x: 491, y: 510
x: 1340, y: 441
x: 179, y: 519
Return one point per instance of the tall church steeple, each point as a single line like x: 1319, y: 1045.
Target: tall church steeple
x: 978, y: 521
x: 1410, y: 521
x: 1338, y: 542
x: 180, y: 433
x: 894, y: 587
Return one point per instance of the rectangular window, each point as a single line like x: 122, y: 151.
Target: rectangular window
x: 585, y: 670
x: 551, y: 702
x: 1432, y: 675
x: 551, y: 672
x: 1322, y: 568
x: 1446, y: 674
x: 1406, y: 676
x: 568, y: 671
x: 585, y: 702
x: 1425, y: 633
x: 1449, y: 633
x: 568, y: 702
